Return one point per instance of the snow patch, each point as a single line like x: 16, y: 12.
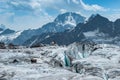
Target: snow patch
x: 9, y: 37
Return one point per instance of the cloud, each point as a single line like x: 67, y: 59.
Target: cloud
x: 63, y: 11
x: 20, y: 5
x: 28, y: 13
x: 76, y: 1
x: 93, y: 7
x: 6, y: 18
x: 39, y: 6
x: 114, y: 16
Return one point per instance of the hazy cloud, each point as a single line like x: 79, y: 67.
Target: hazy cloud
x: 76, y: 1
x: 93, y: 7
x: 22, y: 13
x: 63, y: 10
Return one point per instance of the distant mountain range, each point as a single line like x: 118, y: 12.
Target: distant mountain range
x: 62, y: 22
x: 68, y: 28
x: 4, y: 30
x: 7, y: 35
x: 97, y: 28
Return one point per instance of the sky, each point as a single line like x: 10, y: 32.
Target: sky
x: 32, y: 14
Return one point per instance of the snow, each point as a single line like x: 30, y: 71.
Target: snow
x: 95, y: 33
x: 47, y: 36
x: 33, y: 42
x: 91, y: 33
x: 9, y: 37
x: 101, y: 64
x: 24, y: 70
x: 70, y: 20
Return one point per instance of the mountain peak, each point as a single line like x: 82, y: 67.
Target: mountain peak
x: 69, y: 18
x: 65, y: 21
x: 92, y: 16
x: 98, y: 17
x: 117, y: 21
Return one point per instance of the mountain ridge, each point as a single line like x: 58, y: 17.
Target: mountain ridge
x: 61, y: 23
x: 99, y: 29
x: 63, y: 31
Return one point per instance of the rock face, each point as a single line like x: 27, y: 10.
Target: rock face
x: 2, y: 45
x: 62, y: 38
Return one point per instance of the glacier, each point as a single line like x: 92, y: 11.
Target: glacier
x: 78, y: 61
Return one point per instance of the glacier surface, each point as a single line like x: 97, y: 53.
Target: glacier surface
x: 74, y: 62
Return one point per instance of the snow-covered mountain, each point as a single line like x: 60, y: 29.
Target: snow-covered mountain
x: 98, y: 29
x: 7, y: 35
x: 8, y: 38
x: 4, y: 30
x: 64, y: 32
x: 7, y: 31
x: 61, y: 23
